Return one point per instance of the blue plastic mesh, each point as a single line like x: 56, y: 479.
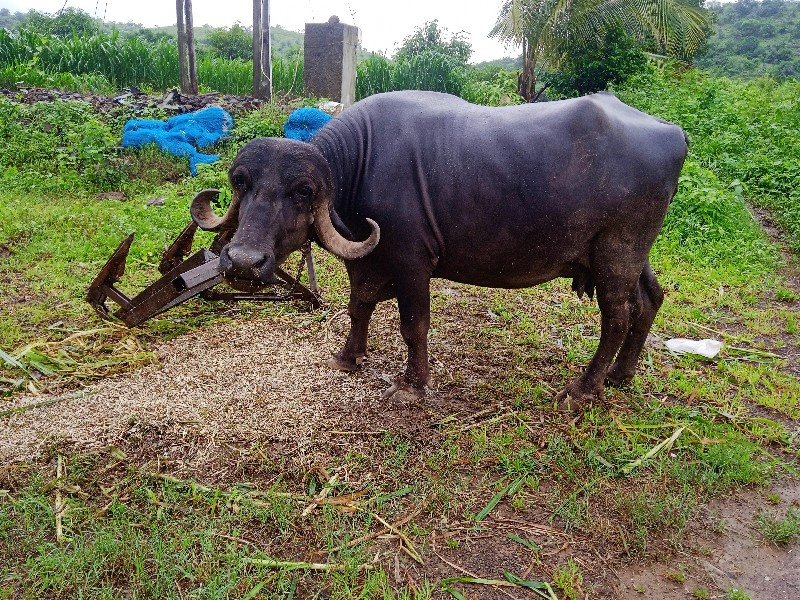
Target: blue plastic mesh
x: 304, y: 123
x: 181, y: 135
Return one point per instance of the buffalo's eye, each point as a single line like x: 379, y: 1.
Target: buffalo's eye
x: 305, y: 192
x: 239, y: 181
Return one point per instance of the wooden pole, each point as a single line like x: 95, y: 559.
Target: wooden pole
x: 256, y: 48
x: 190, y: 46
x: 182, y: 47
x: 262, y: 57
x: 266, y: 54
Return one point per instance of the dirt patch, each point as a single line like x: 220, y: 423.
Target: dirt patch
x: 724, y: 550
x: 260, y: 383
x: 178, y: 102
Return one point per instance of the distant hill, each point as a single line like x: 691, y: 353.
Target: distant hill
x: 509, y: 63
x: 755, y: 38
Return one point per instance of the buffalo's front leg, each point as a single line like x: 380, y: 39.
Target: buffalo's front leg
x: 414, y: 303
x: 355, y: 349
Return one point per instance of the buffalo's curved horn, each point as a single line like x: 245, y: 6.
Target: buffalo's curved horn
x: 334, y: 242
x: 204, y: 215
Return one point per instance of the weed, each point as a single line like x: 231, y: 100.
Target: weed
x: 701, y: 594
x: 676, y: 576
x: 736, y: 594
x: 779, y: 531
x: 569, y: 578
x: 785, y: 294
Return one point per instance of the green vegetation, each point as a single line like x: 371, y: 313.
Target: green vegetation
x: 569, y: 578
x: 753, y: 39
x: 425, y: 61
x: 755, y: 150
x: 550, y: 31
x: 104, y: 62
x: 627, y: 475
x: 232, y: 43
x: 160, y: 537
x: 777, y: 530
x: 595, y: 67
x: 68, y: 23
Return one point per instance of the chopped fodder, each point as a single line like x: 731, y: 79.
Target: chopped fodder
x: 260, y: 382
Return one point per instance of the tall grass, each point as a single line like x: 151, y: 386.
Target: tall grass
x: 426, y: 71
x: 104, y: 61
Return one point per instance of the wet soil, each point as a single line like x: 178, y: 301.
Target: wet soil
x: 723, y: 550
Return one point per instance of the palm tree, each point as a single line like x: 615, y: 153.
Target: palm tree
x: 549, y: 29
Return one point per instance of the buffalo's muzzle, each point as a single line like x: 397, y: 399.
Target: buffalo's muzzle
x: 246, y: 263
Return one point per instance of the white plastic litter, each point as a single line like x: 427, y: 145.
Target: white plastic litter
x: 331, y: 107
x: 708, y: 348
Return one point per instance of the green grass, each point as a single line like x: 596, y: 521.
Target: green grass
x: 780, y: 531
x: 159, y: 538
x: 744, y: 131
x: 105, y: 63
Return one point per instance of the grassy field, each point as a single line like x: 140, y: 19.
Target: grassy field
x: 485, y: 478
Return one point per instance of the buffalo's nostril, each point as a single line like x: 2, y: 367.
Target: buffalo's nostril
x: 242, y: 260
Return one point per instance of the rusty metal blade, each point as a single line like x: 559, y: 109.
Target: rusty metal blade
x: 179, y: 249
x: 102, y: 286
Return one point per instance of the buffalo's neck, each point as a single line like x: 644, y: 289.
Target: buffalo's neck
x: 345, y: 149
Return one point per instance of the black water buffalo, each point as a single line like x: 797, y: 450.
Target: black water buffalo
x: 499, y: 197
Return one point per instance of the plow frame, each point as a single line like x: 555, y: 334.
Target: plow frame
x: 185, y: 275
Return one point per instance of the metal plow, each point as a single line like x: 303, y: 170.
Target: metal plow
x: 186, y: 275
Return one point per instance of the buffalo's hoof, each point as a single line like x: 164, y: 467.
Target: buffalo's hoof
x: 617, y: 377
x: 403, y: 392
x: 334, y: 362
x: 574, y: 398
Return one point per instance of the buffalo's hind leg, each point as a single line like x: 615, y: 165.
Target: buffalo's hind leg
x: 615, y: 286
x: 355, y: 349
x: 647, y: 299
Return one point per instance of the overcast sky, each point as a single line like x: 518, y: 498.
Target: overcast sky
x: 383, y: 24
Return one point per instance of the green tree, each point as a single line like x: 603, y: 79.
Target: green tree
x: 235, y: 42
x: 427, y: 60
x: 430, y: 38
x: 549, y: 30
x: 66, y: 23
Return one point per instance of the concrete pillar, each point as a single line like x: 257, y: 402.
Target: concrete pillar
x: 329, y: 64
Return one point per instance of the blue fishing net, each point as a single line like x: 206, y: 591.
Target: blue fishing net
x: 304, y: 123
x: 181, y: 135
